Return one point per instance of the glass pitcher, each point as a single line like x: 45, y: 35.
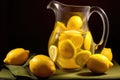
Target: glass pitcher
x: 71, y: 41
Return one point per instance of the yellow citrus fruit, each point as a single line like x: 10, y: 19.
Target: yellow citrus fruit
x: 59, y: 28
x: 87, y: 41
x: 17, y: 56
x: 74, y: 36
x: 108, y: 53
x: 82, y: 57
x: 42, y: 66
x: 98, y: 63
x: 53, y: 52
x: 74, y: 23
x: 66, y: 48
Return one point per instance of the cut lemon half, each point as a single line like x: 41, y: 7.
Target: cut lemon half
x: 66, y: 49
x: 82, y: 57
x: 87, y: 41
x: 75, y: 22
x: 53, y: 52
x: 74, y: 36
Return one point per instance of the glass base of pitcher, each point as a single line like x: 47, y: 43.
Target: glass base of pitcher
x: 68, y: 69
x: 71, y: 70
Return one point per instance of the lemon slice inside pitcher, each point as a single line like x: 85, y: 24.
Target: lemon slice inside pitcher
x: 87, y: 41
x: 74, y: 23
x: 74, y: 36
x: 66, y: 49
x: 59, y: 28
x: 82, y: 57
x: 53, y: 52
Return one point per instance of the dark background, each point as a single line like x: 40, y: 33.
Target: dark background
x: 28, y: 24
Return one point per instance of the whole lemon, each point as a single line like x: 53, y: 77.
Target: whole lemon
x: 98, y: 63
x: 42, y: 66
x: 108, y: 53
x: 17, y: 56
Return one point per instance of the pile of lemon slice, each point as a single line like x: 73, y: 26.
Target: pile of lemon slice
x: 67, y: 41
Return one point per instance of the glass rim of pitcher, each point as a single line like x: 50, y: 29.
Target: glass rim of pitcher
x: 70, y: 5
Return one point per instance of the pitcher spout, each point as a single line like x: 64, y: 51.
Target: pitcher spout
x: 50, y: 5
x: 54, y: 5
x: 57, y: 8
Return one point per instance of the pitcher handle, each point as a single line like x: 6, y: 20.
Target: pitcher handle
x: 102, y: 43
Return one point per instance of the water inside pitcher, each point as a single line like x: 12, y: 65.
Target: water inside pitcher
x: 71, y: 41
